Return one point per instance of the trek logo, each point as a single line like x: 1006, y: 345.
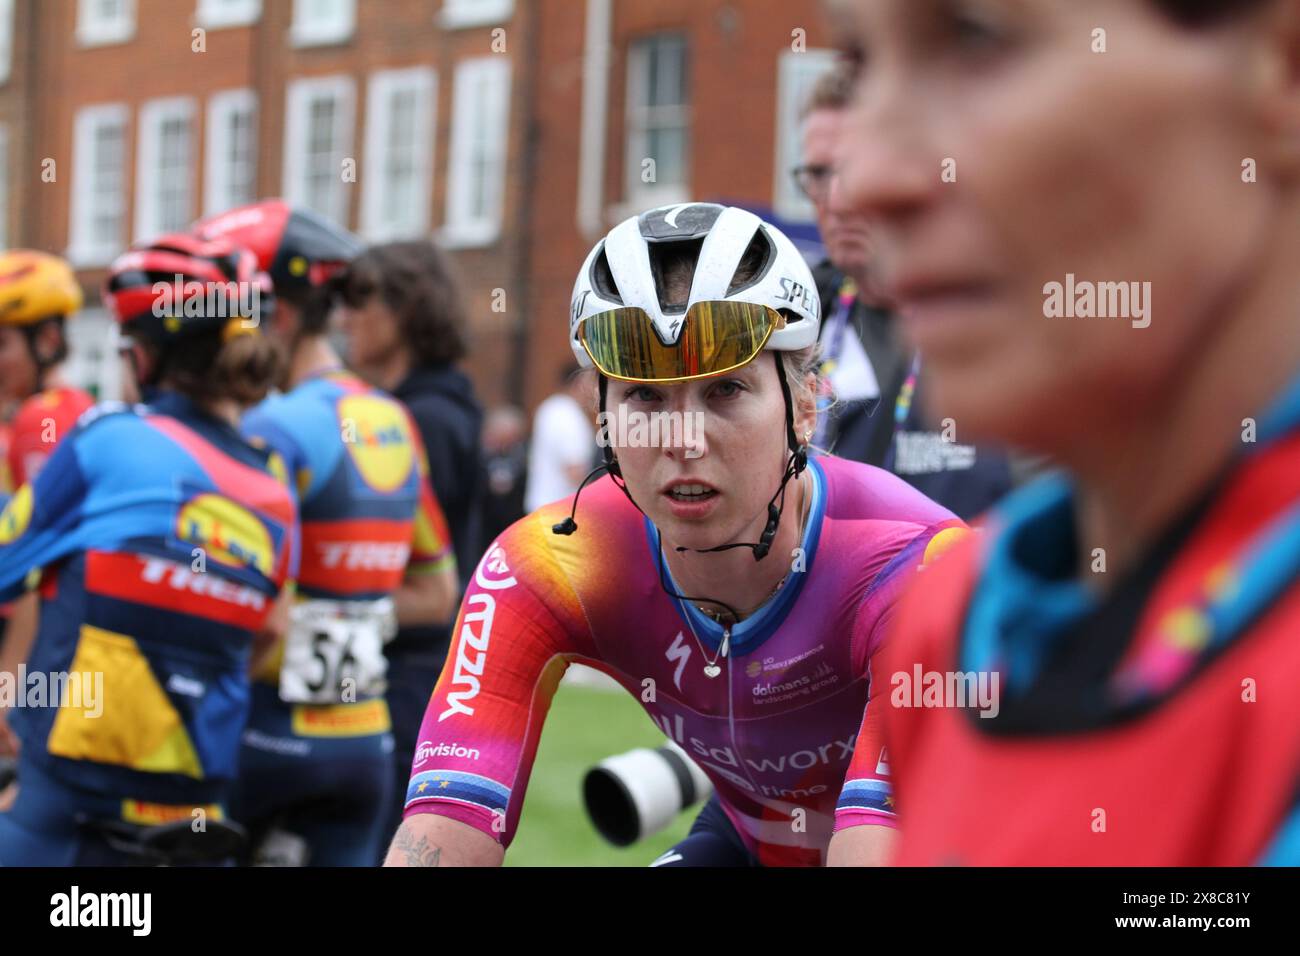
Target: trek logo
x: 471, y: 652
x: 228, y: 533
x: 179, y: 577
x: 364, y: 555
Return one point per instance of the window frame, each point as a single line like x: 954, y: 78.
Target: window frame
x: 381, y: 86
x: 639, y: 120
x: 218, y: 14
x: 83, y: 250
x: 7, y: 21
x: 298, y: 94
x: 462, y: 229
x: 305, y: 31
x: 797, y: 73
x: 154, y: 115
x: 99, y: 31
x: 216, y: 169
x: 463, y: 14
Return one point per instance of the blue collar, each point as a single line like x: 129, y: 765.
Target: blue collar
x: 1029, y: 593
x: 759, y: 626
x: 218, y: 432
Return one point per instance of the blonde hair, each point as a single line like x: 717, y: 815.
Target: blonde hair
x: 797, y: 365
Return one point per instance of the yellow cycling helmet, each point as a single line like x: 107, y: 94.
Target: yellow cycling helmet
x: 35, y: 286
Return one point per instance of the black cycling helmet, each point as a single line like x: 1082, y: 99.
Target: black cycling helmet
x: 300, y: 250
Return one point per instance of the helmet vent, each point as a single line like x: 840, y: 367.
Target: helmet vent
x: 758, y: 258
x: 673, y: 266
x: 602, y: 278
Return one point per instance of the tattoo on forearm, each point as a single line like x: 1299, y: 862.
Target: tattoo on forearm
x: 416, y: 852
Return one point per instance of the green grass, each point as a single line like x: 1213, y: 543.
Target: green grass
x: 585, y: 725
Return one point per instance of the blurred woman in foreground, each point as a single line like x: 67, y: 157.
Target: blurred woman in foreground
x: 1090, y: 214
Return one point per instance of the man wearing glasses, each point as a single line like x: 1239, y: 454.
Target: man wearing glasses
x: 872, y: 375
x: 863, y: 357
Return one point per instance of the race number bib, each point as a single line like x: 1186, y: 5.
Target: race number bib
x: 334, y: 651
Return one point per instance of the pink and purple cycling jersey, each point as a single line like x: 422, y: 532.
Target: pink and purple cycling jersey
x: 775, y: 730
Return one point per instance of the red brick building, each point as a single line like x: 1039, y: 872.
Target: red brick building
x: 513, y: 131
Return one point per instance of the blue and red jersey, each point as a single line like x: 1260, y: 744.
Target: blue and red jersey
x: 159, y: 540
x: 368, y: 517
x: 368, y: 513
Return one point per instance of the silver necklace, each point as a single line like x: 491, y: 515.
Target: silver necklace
x: 711, y: 667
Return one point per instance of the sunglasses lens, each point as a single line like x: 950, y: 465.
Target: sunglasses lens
x: 716, y: 337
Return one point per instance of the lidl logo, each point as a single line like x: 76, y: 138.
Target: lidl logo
x: 16, y: 516
x: 375, y: 434
x: 227, y: 532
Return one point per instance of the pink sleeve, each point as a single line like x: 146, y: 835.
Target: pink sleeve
x: 481, y: 729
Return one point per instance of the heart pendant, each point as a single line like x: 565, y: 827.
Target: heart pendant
x: 712, y: 670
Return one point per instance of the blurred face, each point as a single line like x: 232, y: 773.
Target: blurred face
x: 17, y: 370
x: 284, y: 322
x: 714, y: 488
x: 372, y: 331
x: 843, y: 230
x: 130, y: 385
x: 1122, y: 166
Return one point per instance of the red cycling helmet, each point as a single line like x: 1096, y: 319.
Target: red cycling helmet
x: 179, y: 285
x: 298, y: 249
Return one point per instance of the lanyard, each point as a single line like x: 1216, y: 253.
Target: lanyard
x: 838, y: 325
x: 845, y: 298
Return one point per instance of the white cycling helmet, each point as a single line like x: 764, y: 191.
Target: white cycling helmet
x: 622, y: 272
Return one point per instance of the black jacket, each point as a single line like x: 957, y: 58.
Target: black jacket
x: 965, y: 479
x: 450, y: 419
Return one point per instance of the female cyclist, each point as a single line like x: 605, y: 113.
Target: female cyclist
x: 316, y: 776
x: 38, y: 294
x: 158, y: 540
x: 1108, y: 277
x: 757, y: 668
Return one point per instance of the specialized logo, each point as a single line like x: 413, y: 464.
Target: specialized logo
x: 471, y: 652
x: 375, y: 435
x: 16, y: 516
x: 679, y: 652
x: 227, y: 532
x: 797, y: 293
